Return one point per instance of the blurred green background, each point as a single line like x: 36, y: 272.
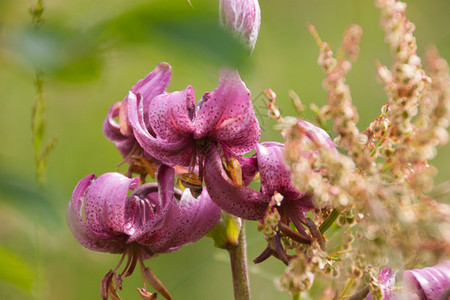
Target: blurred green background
x: 91, y: 53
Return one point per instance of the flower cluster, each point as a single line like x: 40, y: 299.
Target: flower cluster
x: 172, y: 133
x: 377, y: 191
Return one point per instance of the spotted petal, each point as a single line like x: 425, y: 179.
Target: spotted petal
x: 228, y: 116
x: 169, y: 152
x: 81, y: 229
x: 234, y: 199
x: 153, y: 84
x: 105, y: 202
x: 177, y: 224
x: 275, y: 177
x: 171, y: 114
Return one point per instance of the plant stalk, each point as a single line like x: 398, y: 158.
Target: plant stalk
x: 238, y: 259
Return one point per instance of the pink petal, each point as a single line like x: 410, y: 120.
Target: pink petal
x: 273, y: 172
x: 170, y: 153
x: 429, y: 282
x: 186, y: 222
x: 82, y: 231
x: 155, y: 230
x: 234, y: 199
x: 153, y: 84
x: 228, y: 116
x: 105, y: 203
x: 170, y: 115
x: 111, y: 129
x: 317, y: 135
x: 176, y: 224
x: 240, y: 136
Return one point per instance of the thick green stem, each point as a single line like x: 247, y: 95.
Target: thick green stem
x: 238, y: 258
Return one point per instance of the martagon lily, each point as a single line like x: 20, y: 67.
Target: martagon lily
x: 277, y: 194
x: 121, y: 133
x: 182, y: 129
x: 154, y: 219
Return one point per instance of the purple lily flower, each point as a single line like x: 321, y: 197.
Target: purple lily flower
x: 183, y: 129
x: 276, y: 185
x: 432, y: 283
x: 121, y: 133
x: 155, y: 218
x: 243, y: 17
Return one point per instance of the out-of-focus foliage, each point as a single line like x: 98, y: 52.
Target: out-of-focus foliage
x: 92, y: 51
x: 14, y: 270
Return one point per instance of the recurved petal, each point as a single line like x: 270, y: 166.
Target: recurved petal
x: 111, y: 129
x: 197, y: 217
x: 186, y: 222
x: 429, y: 283
x: 317, y: 135
x: 154, y: 229
x: 170, y: 115
x: 239, y: 135
x: 105, y: 203
x: 154, y: 83
x: 171, y: 153
x: 81, y: 230
x: 234, y: 199
x: 273, y: 172
x: 176, y: 224
x: 228, y: 115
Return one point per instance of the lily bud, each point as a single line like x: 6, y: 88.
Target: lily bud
x: 243, y: 17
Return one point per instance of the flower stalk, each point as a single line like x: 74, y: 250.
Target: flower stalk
x: 238, y: 259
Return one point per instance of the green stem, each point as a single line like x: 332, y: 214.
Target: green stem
x: 296, y: 296
x: 238, y: 258
x: 329, y: 221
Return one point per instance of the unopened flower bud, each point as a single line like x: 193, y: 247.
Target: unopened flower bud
x: 243, y: 17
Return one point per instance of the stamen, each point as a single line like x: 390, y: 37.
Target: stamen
x: 191, y: 181
x: 120, y: 262
x: 113, y: 293
x: 193, y: 160
x: 200, y: 165
x: 146, y: 294
x: 129, y: 258
x: 315, y: 232
x: 233, y: 169
x: 105, y: 284
x: 280, y: 250
x: 296, y: 236
x: 153, y: 280
x: 296, y: 221
x: 264, y: 255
